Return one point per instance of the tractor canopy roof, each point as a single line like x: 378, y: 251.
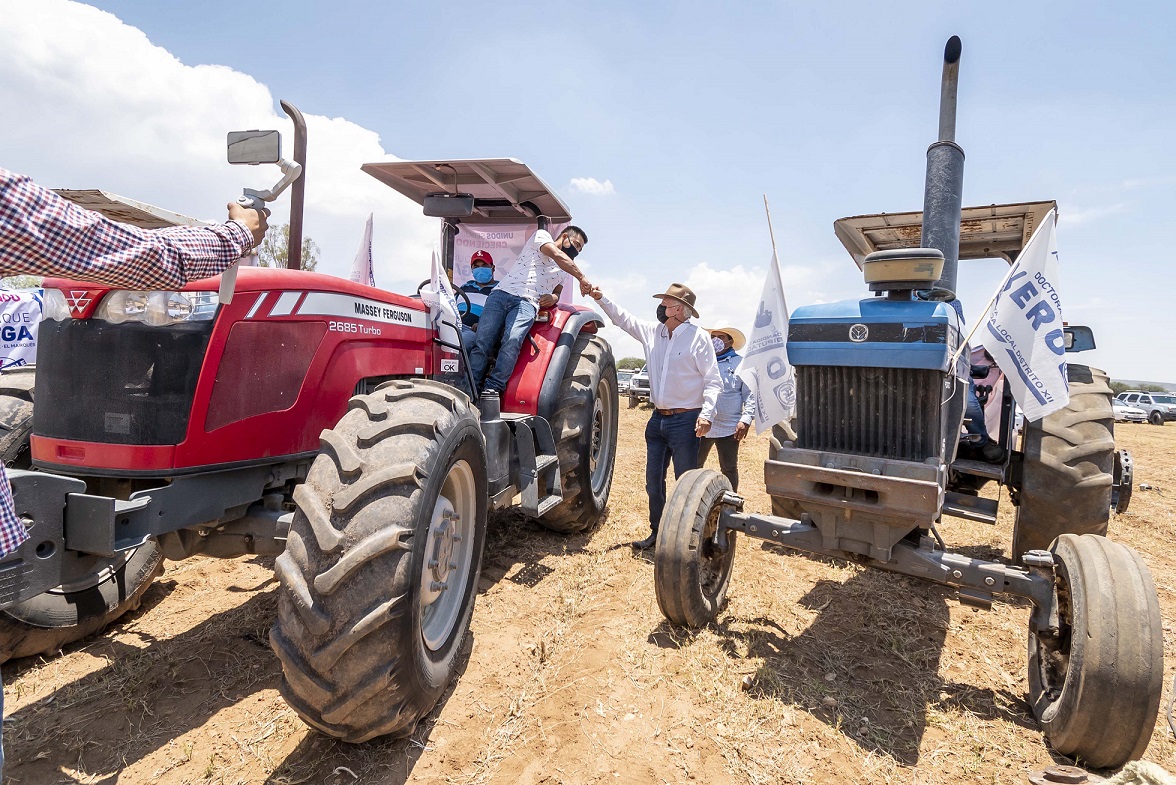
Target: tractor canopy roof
x: 997, y: 230
x: 126, y: 210
x: 505, y: 190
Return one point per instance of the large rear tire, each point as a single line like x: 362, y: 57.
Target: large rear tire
x: 1066, y: 475
x: 585, y: 428
x: 691, y: 575
x: 1095, y: 688
x: 100, y: 590
x: 378, y: 579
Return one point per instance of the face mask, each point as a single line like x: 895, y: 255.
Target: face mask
x: 483, y: 274
x: 571, y: 251
x: 661, y: 314
x: 718, y: 344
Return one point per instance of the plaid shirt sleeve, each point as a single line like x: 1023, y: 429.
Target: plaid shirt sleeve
x: 12, y: 531
x: 44, y: 234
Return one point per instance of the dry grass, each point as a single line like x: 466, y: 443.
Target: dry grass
x: 573, y: 676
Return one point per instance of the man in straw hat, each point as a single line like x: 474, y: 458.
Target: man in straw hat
x: 684, y: 387
x: 735, y: 410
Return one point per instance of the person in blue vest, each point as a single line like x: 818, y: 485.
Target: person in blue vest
x: 477, y: 289
x: 736, y: 407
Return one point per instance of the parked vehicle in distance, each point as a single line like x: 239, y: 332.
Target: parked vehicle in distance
x: 1126, y: 413
x: 1159, y: 407
x: 623, y: 378
x: 639, y: 387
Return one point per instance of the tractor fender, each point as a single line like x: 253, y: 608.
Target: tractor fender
x: 534, y: 386
x: 549, y: 392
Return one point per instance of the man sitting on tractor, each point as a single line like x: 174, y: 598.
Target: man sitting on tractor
x: 511, y: 308
x: 477, y: 289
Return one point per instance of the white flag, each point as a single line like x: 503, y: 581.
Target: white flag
x: 1025, y: 334
x: 765, y: 368
x: 442, y: 306
x: 361, y: 268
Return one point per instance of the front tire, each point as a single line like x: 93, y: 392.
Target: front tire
x: 99, y: 591
x: 1095, y: 687
x: 381, y: 566
x: 690, y: 574
x: 585, y: 428
x: 1067, y: 471
x: 1155, y: 418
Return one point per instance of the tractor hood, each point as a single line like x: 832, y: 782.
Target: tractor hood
x: 874, y: 333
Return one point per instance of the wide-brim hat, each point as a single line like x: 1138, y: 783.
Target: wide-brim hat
x: 683, y: 294
x: 738, y: 339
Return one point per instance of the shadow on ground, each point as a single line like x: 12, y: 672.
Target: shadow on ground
x: 868, y: 665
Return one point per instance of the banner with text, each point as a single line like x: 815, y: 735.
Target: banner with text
x: 502, y: 243
x: 765, y: 367
x: 1025, y: 334
x: 20, y: 315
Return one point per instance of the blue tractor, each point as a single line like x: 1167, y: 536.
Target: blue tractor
x: 877, y: 457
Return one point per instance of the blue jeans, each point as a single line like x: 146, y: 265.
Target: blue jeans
x: 975, y: 414
x: 506, y: 320
x: 667, y: 437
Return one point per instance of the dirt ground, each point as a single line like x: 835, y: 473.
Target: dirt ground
x: 573, y: 676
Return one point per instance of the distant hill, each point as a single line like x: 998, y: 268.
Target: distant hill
x: 1135, y: 384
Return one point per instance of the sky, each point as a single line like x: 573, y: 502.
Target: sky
x: 661, y: 124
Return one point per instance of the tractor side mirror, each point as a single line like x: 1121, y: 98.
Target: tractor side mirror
x: 254, y: 147
x: 443, y: 205
x: 1078, y: 339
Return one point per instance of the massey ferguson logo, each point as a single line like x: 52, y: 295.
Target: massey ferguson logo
x: 78, y: 301
x: 859, y: 333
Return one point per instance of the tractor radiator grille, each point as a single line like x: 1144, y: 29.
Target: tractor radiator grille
x: 880, y: 412
x: 117, y: 383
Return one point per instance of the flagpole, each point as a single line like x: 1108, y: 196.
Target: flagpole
x: 772, y: 234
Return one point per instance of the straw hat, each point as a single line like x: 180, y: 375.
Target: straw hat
x: 683, y: 294
x: 738, y: 339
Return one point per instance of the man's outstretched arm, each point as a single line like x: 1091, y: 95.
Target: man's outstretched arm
x: 44, y: 234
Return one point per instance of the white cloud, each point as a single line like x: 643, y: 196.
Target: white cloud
x: 100, y: 106
x: 592, y: 186
x: 1075, y: 216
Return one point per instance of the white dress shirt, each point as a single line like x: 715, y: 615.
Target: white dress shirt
x: 683, y: 373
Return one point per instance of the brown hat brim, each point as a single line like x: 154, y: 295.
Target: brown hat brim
x: 693, y: 311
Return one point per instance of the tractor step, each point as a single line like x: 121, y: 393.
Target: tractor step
x: 543, y: 462
x: 546, y: 503
x: 993, y: 471
x: 970, y: 508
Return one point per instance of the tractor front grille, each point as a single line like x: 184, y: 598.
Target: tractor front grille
x: 880, y: 412
x: 124, y: 383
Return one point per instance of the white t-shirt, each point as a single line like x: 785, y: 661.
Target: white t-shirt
x: 534, y: 274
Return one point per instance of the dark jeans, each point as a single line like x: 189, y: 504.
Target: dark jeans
x: 974, y: 412
x: 667, y: 437
x: 506, y: 318
x: 728, y: 457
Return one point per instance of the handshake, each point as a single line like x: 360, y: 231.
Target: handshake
x: 588, y: 290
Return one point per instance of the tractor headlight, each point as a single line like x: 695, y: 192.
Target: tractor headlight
x: 54, y: 306
x: 158, y: 309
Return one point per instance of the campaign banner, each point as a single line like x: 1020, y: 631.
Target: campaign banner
x: 765, y: 368
x: 1025, y: 334
x: 502, y: 243
x: 20, y: 316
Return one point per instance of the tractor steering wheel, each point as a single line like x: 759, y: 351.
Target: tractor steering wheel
x: 458, y: 293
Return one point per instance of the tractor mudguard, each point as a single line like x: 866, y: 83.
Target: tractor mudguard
x: 534, y: 386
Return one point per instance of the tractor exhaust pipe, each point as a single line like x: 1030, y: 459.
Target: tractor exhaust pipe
x: 943, y: 196
x: 298, y: 190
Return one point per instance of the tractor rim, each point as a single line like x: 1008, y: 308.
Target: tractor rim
x: 448, y: 556
x: 710, y: 560
x: 1053, y: 653
x: 602, y: 435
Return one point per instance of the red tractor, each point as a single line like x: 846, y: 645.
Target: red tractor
x: 322, y: 421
